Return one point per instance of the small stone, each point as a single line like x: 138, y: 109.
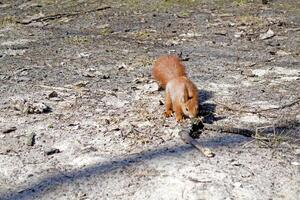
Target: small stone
x: 82, y: 195
x: 51, y: 151
x: 161, y: 102
x: 30, y: 175
x: 248, y: 64
x: 221, y: 32
x: 31, y: 139
x: 30, y: 107
x: 4, y: 5
x: 248, y: 73
x: 231, y: 24
x: 296, y: 163
x: 91, y: 72
x: 140, y: 80
x: 267, y: 35
x: 84, y: 55
x: 238, y: 184
x: 238, y: 34
x: 297, y: 151
x: 4, y: 77
x: 172, y: 42
x: 151, y: 87
x: 9, y: 129
x: 81, y: 84
x: 105, y: 76
x: 88, y: 74
x: 114, y: 101
x: 50, y: 126
x: 235, y: 163
x: 89, y: 149
x: 53, y: 94
x: 208, y: 153
x: 282, y: 53
x: 190, y: 35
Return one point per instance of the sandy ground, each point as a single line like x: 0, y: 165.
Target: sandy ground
x: 81, y: 117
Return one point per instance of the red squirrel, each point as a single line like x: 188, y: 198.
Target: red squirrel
x: 181, y: 93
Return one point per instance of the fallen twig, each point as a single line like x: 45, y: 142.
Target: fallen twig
x: 55, y: 88
x: 290, y: 104
x: 60, y: 15
x: 186, y: 137
x: 253, y: 132
x: 285, y: 105
x: 229, y: 129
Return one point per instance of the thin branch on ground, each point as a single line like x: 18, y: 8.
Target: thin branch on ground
x: 240, y: 110
x: 185, y: 135
x: 61, y: 15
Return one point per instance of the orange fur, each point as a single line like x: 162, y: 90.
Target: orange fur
x: 181, y: 93
x: 165, y: 68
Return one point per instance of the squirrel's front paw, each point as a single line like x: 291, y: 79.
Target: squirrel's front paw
x: 179, y: 118
x: 168, y: 113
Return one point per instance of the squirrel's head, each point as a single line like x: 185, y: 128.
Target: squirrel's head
x: 190, y: 108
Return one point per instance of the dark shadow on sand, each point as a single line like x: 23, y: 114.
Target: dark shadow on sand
x: 207, y: 110
x: 36, y: 189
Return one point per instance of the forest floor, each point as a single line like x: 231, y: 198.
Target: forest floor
x: 81, y: 117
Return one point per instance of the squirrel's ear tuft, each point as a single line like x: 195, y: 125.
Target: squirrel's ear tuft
x: 185, y: 97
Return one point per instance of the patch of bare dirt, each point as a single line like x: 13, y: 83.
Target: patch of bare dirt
x: 81, y: 117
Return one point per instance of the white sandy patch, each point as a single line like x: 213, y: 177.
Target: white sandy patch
x: 67, y: 146
x: 285, y: 71
x: 263, y: 105
x: 259, y: 72
x: 16, y: 42
x: 162, y: 188
x: 86, y: 160
x: 251, y: 118
x: 172, y: 131
x: 143, y: 124
x: 291, y: 78
x: 247, y: 83
x: 150, y: 87
x: 14, y: 52
x: 220, y: 87
x: 276, y: 70
x: 114, y: 101
x: 6, y: 29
